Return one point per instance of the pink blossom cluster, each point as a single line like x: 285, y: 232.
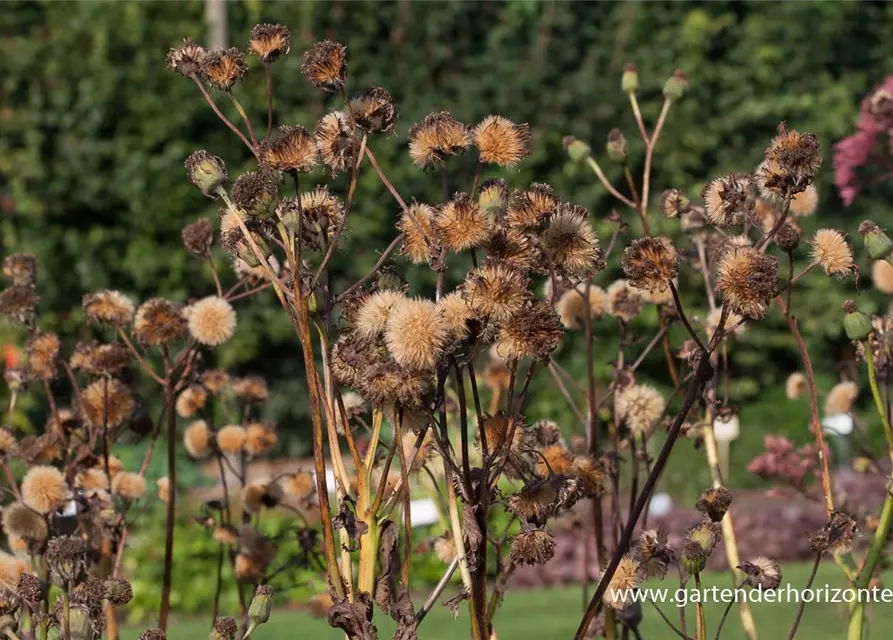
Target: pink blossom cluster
x: 782, y: 462
x: 857, y: 151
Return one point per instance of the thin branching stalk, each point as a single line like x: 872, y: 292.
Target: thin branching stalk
x: 794, y: 627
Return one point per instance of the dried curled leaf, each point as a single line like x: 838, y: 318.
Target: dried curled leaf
x: 347, y: 520
x: 354, y: 618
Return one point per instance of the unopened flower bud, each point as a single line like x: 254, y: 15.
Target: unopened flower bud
x: 788, y: 237
x: 629, y: 82
x: 578, y: 150
x: 877, y: 242
x: 261, y: 605
x: 674, y: 88
x: 118, y: 591
x: 616, y: 146
x: 225, y: 628
x: 856, y: 324
x: 312, y: 302
x: 206, y: 172
x: 693, y: 558
x: 79, y: 623
x: 492, y: 195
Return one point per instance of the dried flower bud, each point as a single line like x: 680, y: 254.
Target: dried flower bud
x: 675, y: 86
x: 856, y: 324
x: 374, y: 110
x: 616, y: 146
x: 255, y: 193
x: 336, y: 142
x: 877, y: 242
x: 325, y: 65
x: 221, y: 69
x: 198, y: 237
x: 501, y: 141
x: 714, y: 502
x: 673, y: 203
x: 269, y: 41
x: 748, y: 280
x: 261, y: 604
x: 532, y: 547
x: 693, y: 558
x: 293, y: 149
x: 225, y: 628
x: 186, y: 59
x: 788, y: 237
x: 20, y: 269
x: 66, y: 557
x: 629, y: 81
x: 207, y: 172
x: 577, y: 150
x: 436, y: 138
x: 762, y: 573
x: 118, y: 591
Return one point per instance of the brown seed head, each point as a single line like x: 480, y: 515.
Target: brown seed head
x: 514, y: 247
x: 21, y: 521
x: 130, y: 486
x: 231, y: 438
x: 831, y: 250
x: 415, y: 334
x: 437, y: 137
x: 418, y: 231
x: 43, y: 353
x: 532, y: 547
x: 461, y: 224
x: 714, y: 502
x: 100, y: 359
x: 788, y: 237
x: 255, y: 193
x: 20, y: 269
x: 106, y: 402
x: 251, y: 389
x: 293, y: 149
x: 496, y: 290
x: 66, y: 557
x: 501, y: 141
x: 186, y: 59
x: 673, y: 203
x: 198, y: 237
x: 19, y: 303
x: 153, y: 634
x: 528, y: 209
x: 624, y: 302
x: 221, y: 69
x: 269, y: 41
x: 726, y: 198
x: 653, y: 553
x: 159, y: 322
x: 836, y: 535
x: 336, y: 142
x: 748, y: 280
x: 571, y: 245
x: 325, y: 65
x: 639, y: 406
x: 534, y: 332
x: 197, y: 439
x: 572, y: 305
x: 191, y: 400
x: 108, y: 307
x: 259, y: 439
x: 651, y: 263
x: 627, y: 577
x: 225, y: 627
x: 374, y: 110
x: 791, y: 162
x: 762, y: 573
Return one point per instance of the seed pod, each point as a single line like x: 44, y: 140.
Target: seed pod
x: 261, y: 605
x: 877, y: 243
x: 578, y: 150
x: 629, y: 81
x: 856, y: 324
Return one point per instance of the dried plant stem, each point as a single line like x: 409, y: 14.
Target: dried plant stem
x: 367, y: 505
x: 66, y: 615
x: 269, y: 73
x: 604, y: 180
x: 456, y: 525
x: 245, y: 118
x: 438, y: 589
x: 725, y: 613
x: 649, y: 156
x: 684, y: 318
x: 815, y: 568
x: 634, y: 103
x: 381, y: 260
x: 169, y: 401
x: 700, y: 622
x: 220, y: 115
x: 566, y: 394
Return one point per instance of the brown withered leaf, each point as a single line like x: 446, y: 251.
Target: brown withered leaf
x: 347, y: 520
x: 390, y: 564
x: 472, y: 533
x: 354, y: 618
x: 403, y: 614
x: 453, y: 603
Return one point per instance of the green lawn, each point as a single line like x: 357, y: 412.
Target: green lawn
x: 554, y: 613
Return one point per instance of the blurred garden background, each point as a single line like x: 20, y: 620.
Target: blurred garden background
x: 94, y: 132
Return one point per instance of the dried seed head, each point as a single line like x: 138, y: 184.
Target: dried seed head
x: 293, y: 149
x: 21, y: 521
x: 456, y: 314
x: 705, y: 534
x: 461, y: 224
x: 492, y: 198
x: 371, y: 317
x: 197, y: 439
x: 726, y: 198
x: 118, y: 591
x: 8, y: 443
x: 836, y: 535
x: 159, y: 322
x: 514, y: 247
x: 571, y: 245
x: 198, y: 237
x: 20, y: 269
x: 259, y: 439
x: 255, y: 193
x: 572, y: 306
x: 791, y: 162
x: 215, y: 380
x: 415, y: 334
x: 212, y: 320
x: 153, y: 634
x: 445, y: 548
x: 321, y: 215
x: 496, y: 290
x: 651, y: 263
x: 640, y: 407
x: 554, y: 459
x: 627, y: 577
x: 225, y: 628
x: 227, y: 534
x: 762, y: 573
x: 882, y: 276
x: 108, y: 307
x: 191, y: 400
x: 130, y: 486
x: 221, y: 69
x: 19, y: 303
x: 43, y: 352
x: 527, y: 209
x: 186, y: 59
x: 534, y: 332
x: 325, y: 65
x: 788, y: 237
x: 831, y: 250
x: 100, y: 359
x: 106, y: 403
x: 795, y: 386
x: 693, y: 559
x: 624, y: 302
x: 501, y: 141
x: 417, y: 227
x: 806, y: 202
x: 298, y: 485
x: 437, y: 137
x: 336, y: 142
x: 532, y: 547
x: 374, y: 110
x: 251, y: 389
x: 31, y: 589
x: 269, y: 41
x: 66, y: 557
x: 714, y: 502
x: 673, y: 203
x: 93, y: 479
x: 841, y: 398
x: 231, y: 438
x: 653, y: 553
x: 748, y: 280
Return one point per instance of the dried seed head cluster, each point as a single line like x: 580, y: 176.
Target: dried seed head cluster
x: 501, y: 141
x: 20, y: 269
x: 106, y: 403
x: 748, y: 280
x: 211, y: 320
x: 673, y: 203
x: 415, y: 334
x: 43, y: 352
x: 534, y: 332
x: 198, y: 237
x: 293, y: 149
x: 572, y: 306
x: 653, y: 554
x: 715, y: 502
x: 791, y: 162
x: 159, y: 322
x: 197, y: 439
x: 496, y: 290
x: 624, y: 302
x: 528, y: 209
x: 336, y: 142
x: 269, y: 42
x: 651, y: 263
x: 726, y: 199
x: 833, y: 253
x: 108, y: 307
x: 571, y: 244
x: 191, y: 400
x: 417, y: 226
x: 640, y: 407
x: 221, y: 69
x: 836, y: 536
x: 325, y: 65
x: 19, y: 303
x: 186, y: 59
x: 371, y: 317
x: 436, y: 138
x: 374, y: 110
x: 461, y: 224
x: 255, y: 193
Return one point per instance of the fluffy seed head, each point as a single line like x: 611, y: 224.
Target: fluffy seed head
x: 571, y: 244
x: 651, y: 263
x: 534, y: 332
x: 97, y: 359
x: 461, y: 224
x: 198, y: 237
x: 251, y: 389
x: 532, y: 547
x: 374, y: 110
x: 445, y: 548
x: 11, y: 570
x: 571, y: 306
x: 624, y: 302
x: 293, y: 149
x: 673, y: 203
x: 21, y: 269
x: 231, y: 438
x: 212, y: 320
x: 223, y: 68
x: 806, y: 202
x: 372, y: 316
x: 130, y: 486
x: 415, y: 334
x: 259, y: 439
x: 653, y: 554
x: 748, y: 280
x: 495, y: 290
x: 790, y: 163
x: 298, y: 485
x: 19, y: 303
x: 44, y: 489
x: 197, y: 439
x: 8, y: 443
x: 108, y: 307
x: 640, y: 406
x: 514, y: 247
x: 321, y: 215
x: 456, y: 313
x: 501, y: 141
x: 415, y: 245
x: 527, y: 209
x: 191, y: 400
x: 437, y: 137
x: 106, y: 402
x: 831, y: 250
x: 882, y: 276
x: 43, y: 352
x: 325, y: 65
x: 795, y: 386
x: 627, y: 577
x: 186, y: 59
x: 336, y: 142
x: 159, y: 322
x: 23, y: 522
x: 92, y: 479
x: 762, y: 573
x: 841, y: 398
x: 269, y: 41
x: 725, y: 198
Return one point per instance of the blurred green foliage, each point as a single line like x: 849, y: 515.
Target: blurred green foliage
x: 93, y: 133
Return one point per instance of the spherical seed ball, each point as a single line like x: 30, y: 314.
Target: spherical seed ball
x: 461, y: 224
x: 269, y: 42
x: 159, y: 322
x: 437, y: 137
x: 22, y: 522
x: 806, y: 202
x: 8, y: 443
x: 44, y: 489
x: 336, y: 142
x: 108, y: 307
x: 259, y: 439
x: 231, y: 438
x: 191, y: 400
x: 651, y: 263
x: 11, y: 569
x: 627, y: 577
x: 252, y: 497
x: 841, y: 398
x: 92, y: 479
x: 374, y: 110
x: 725, y: 198
x: 298, y: 485
x: 501, y: 141
x: 418, y: 231
x: 43, y: 351
x: 795, y: 386
x: 572, y: 245
x: 115, y: 466
x: 212, y: 320
x: 528, y: 209
x: 106, y: 402
x: 532, y: 547
x: 131, y: 486
x: 831, y: 250
x: 496, y: 290
x: 372, y: 316
x: 293, y: 149
x: 882, y: 276
x: 747, y: 280
x: 325, y: 65
x: 197, y: 439
x: 415, y: 334
x: 456, y: 313
x: 624, y: 302
x: 222, y: 68
x: 164, y: 489
x: 640, y: 406
x: 445, y: 548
